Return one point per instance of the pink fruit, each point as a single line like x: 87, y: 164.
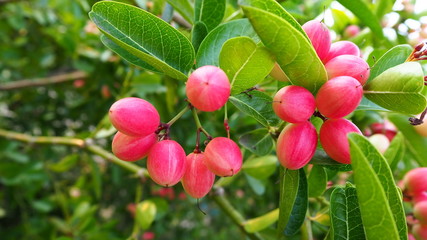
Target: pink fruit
x: 333, y: 137
x: 294, y: 104
x: 319, y: 35
x: 420, y: 212
x: 339, y: 97
x: 387, y: 128
x: 348, y: 65
x: 223, y: 157
x: 166, y: 163
x: 208, y: 88
x: 134, y: 116
x: 419, y: 231
x: 130, y: 148
x: 342, y: 48
x: 352, y: 31
x: 380, y: 141
x: 416, y: 181
x: 197, y: 180
x: 420, y: 197
x: 296, y: 145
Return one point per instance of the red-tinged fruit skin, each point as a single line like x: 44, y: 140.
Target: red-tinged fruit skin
x: 208, y: 88
x: 296, y: 145
x: 319, y: 35
x: 223, y: 157
x: 166, y: 163
x: 348, y: 65
x: 294, y: 104
x: 342, y: 48
x: 198, y: 179
x: 134, y: 116
x: 333, y: 137
x: 130, y: 148
x: 420, y: 212
x: 339, y: 97
x: 352, y: 31
x: 416, y: 181
x: 420, y: 197
x: 419, y: 231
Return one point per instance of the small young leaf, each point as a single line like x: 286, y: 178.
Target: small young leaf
x: 395, y: 151
x: 260, y: 167
x: 210, y: 48
x: 376, y: 191
x: 245, y: 63
x: 262, y: 222
x: 210, y: 12
x: 258, y: 141
x: 346, y: 221
x: 295, y: 54
x: 398, y: 89
x: 317, y: 181
x: 145, y: 213
x: 258, y: 105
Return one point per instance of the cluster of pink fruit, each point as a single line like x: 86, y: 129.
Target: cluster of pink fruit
x: 337, y: 98
x: 140, y: 134
x: 415, y: 190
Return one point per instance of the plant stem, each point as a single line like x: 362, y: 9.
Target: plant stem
x: 199, y: 125
x: 179, y: 115
x: 36, y: 82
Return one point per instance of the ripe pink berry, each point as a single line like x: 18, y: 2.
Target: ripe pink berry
x: 197, y: 180
x: 134, y: 116
x: 420, y: 212
x: 339, y: 96
x: 419, y: 231
x: 319, y: 35
x: 296, y: 145
x: 333, y: 137
x: 352, y: 31
x: 294, y: 104
x: 166, y: 163
x: 416, y: 181
x: 208, y: 88
x: 348, y: 65
x: 130, y: 148
x: 223, y: 157
x: 342, y: 48
x: 380, y: 142
x: 420, y: 197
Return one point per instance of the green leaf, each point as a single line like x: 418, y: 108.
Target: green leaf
x: 299, y: 210
x: 184, y: 8
x: 398, y: 88
x: 317, y: 181
x: 395, y: 151
x: 210, y: 12
x: 260, y: 167
x: 258, y: 105
x: 362, y: 11
x: 198, y: 33
x: 145, y: 213
x: 262, y: 222
x: 210, y: 48
x: 321, y: 158
x: 383, y: 7
x: 295, y: 54
x: 145, y: 36
x: 258, y: 141
x: 289, y: 183
x: 275, y: 8
x: 367, y: 105
x: 257, y: 185
x: 65, y: 164
x: 393, y: 57
x: 415, y: 143
x: 245, y: 63
x: 380, y: 202
x: 346, y: 221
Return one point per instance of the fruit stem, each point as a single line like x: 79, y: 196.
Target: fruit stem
x: 417, y: 121
x: 226, y: 126
x: 199, y: 125
x: 179, y: 115
x: 319, y: 115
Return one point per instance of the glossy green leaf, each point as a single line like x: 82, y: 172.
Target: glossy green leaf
x: 289, y: 182
x: 210, y: 12
x: 258, y: 141
x: 245, y: 63
x: 317, y: 181
x: 260, y: 167
x: 145, y: 213
x: 210, y: 48
x: 346, y: 221
x: 299, y: 210
x: 398, y: 89
x: 367, y: 105
x: 145, y: 36
x: 198, y: 33
x: 295, y: 54
x: 184, y: 7
x: 274, y: 7
x: 395, y: 151
x: 393, y: 57
x: 362, y: 11
x: 321, y: 158
x: 380, y: 203
x: 258, y: 105
x: 414, y: 143
x: 262, y: 222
